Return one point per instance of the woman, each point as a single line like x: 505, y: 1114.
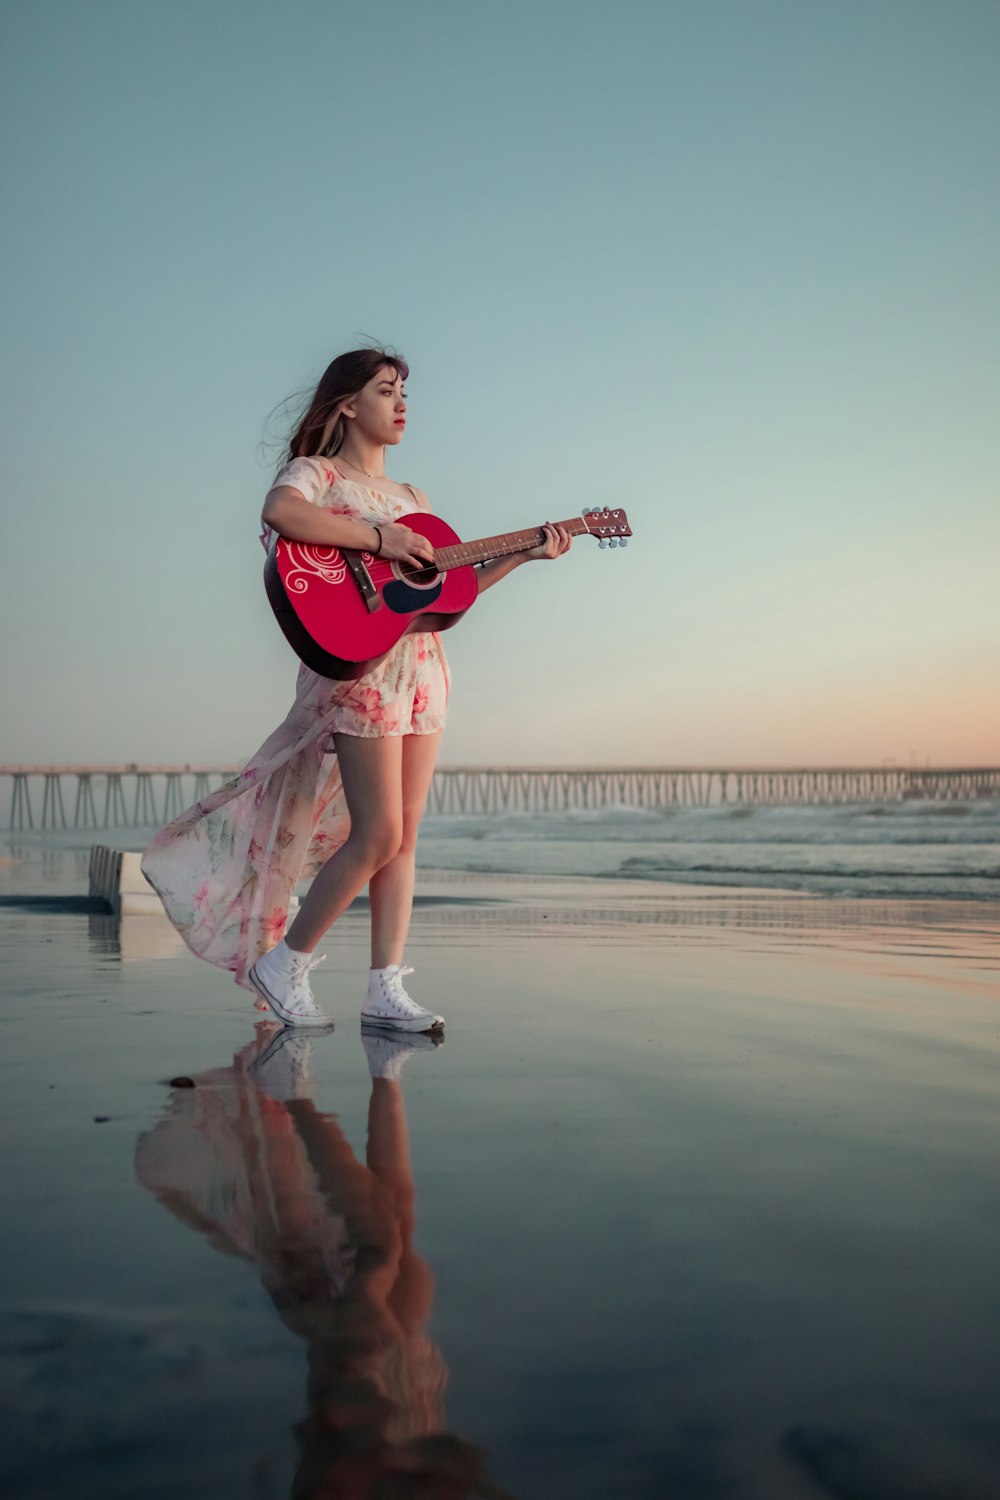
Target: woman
x: 338, y: 790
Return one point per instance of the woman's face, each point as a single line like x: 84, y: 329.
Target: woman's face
x: 380, y: 407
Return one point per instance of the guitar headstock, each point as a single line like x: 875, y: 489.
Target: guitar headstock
x: 611, y: 526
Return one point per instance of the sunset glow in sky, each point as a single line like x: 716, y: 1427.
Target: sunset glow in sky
x: 731, y: 266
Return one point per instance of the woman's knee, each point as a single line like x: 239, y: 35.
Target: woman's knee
x: 379, y: 840
x: 408, y: 835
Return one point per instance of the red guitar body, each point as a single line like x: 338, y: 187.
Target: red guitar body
x: 343, y: 612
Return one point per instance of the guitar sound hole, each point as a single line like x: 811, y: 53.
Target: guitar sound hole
x: 422, y: 574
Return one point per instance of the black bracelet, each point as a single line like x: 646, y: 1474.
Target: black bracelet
x: 379, y: 530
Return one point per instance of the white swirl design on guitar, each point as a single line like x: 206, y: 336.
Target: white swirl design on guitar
x: 321, y: 562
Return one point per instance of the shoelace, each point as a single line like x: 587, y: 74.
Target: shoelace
x: 393, y: 984
x: 300, y: 980
x: 303, y: 965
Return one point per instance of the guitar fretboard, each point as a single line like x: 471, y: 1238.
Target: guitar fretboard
x: 505, y: 545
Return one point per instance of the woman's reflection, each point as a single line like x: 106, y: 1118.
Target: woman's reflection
x: 244, y: 1156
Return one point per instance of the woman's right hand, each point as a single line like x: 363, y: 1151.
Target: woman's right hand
x: 403, y: 545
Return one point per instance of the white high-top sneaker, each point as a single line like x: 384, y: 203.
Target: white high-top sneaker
x: 282, y: 977
x: 388, y: 1004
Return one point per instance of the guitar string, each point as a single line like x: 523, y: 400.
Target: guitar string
x: 483, y: 549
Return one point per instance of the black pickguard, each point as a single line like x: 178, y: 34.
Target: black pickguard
x: 403, y: 600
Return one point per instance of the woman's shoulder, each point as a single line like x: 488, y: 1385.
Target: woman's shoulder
x: 308, y: 464
x: 311, y: 477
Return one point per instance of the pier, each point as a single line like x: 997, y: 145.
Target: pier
x: 144, y: 796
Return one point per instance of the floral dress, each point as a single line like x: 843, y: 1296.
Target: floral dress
x: 226, y: 868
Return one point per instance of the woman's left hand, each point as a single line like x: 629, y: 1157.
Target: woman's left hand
x: 557, y: 541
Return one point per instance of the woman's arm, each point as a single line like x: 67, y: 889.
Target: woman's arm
x: 294, y: 517
x: 556, y: 543
x: 491, y: 572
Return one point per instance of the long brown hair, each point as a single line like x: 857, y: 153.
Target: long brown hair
x: 319, y: 431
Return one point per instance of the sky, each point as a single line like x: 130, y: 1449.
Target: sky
x: 730, y: 265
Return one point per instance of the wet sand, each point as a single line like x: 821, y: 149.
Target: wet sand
x: 698, y: 1197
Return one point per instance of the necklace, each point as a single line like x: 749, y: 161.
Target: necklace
x: 361, y: 470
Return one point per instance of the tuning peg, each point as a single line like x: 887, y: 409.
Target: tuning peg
x: 623, y: 541
x: 603, y: 542
x: 585, y: 511
x: 613, y: 542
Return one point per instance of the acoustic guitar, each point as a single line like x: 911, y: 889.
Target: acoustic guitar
x: 342, y: 611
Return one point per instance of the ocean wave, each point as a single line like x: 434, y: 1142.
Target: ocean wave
x: 640, y: 865
x: 910, y: 884
x: 774, y: 826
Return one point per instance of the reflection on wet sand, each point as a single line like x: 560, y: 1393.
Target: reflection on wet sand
x: 130, y: 938
x: 244, y: 1156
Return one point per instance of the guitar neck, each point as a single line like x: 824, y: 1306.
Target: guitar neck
x: 489, y: 547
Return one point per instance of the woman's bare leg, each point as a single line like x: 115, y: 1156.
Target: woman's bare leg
x: 391, y: 888
x: 371, y: 772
